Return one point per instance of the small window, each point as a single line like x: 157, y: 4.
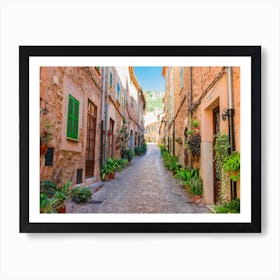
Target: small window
x: 73, y: 118
x: 49, y: 157
x: 111, y: 79
x: 79, y: 178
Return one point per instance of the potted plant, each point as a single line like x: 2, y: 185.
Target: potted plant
x: 62, y: 194
x: 195, y: 125
x: 81, y: 194
x: 106, y: 172
x: 196, y: 188
x: 45, y: 137
x: 231, y: 165
x: 52, y: 198
x: 193, y: 142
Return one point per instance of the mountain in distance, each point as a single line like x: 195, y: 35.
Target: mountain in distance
x: 154, y: 101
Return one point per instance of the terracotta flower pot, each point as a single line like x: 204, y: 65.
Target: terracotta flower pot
x: 62, y: 209
x: 107, y: 177
x: 43, y: 149
x: 112, y: 175
x: 196, y: 198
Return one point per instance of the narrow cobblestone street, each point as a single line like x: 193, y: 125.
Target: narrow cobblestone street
x: 145, y: 186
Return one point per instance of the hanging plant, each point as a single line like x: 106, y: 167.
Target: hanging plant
x: 179, y: 140
x: 193, y: 143
x: 45, y: 137
x: 195, y: 124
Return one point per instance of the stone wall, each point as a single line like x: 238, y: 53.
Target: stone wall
x: 84, y: 84
x: 209, y: 91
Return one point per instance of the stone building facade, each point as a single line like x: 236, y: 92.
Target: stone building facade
x: 152, y: 132
x: 200, y: 94
x: 82, y: 110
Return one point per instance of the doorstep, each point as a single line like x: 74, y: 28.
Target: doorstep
x: 211, y: 208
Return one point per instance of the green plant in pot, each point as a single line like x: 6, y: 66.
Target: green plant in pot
x: 195, y: 124
x: 184, y: 175
x: 231, y: 164
x: 52, y: 198
x: 106, y: 171
x: 47, y: 205
x: 81, y: 194
x: 61, y: 195
x: 196, y: 188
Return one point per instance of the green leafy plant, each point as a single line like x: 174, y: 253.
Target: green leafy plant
x: 221, y: 148
x: 231, y: 164
x: 52, y: 197
x: 184, y: 175
x: 195, y: 123
x: 48, y: 187
x: 179, y: 140
x: 171, y: 162
x: 81, y: 194
x: 140, y: 150
x: 193, y: 143
x: 232, y: 206
x: 106, y: 169
x: 48, y: 205
x: 196, y: 185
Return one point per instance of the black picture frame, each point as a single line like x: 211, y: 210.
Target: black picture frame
x: 254, y: 52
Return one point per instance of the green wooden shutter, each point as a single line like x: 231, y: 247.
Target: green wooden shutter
x: 73, y: 118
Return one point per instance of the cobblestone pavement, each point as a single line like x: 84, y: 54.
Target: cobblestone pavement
x: 145, y: 186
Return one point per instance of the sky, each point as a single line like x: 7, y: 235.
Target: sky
x: 149, y: 78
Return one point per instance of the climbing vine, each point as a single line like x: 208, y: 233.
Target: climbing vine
x: 221, y: 153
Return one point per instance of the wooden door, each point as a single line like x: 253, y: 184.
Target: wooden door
x: 91, y: 135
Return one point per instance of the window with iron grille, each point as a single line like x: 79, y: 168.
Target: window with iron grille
x: 49, y: 157
x: 79, y: 179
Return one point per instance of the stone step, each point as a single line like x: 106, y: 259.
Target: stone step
x: 96, y: 186
x: 90, y: 181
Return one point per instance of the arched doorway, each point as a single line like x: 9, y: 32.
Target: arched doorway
x: 131, y: 140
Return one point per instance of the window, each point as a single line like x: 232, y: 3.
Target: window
x: 181, y: 77
x: 49, y: 157
x: 79, y: 177
x: 118, y: 91
x: 73, y: 117
x: 111, y: 79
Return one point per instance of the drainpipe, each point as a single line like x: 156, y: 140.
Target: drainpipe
x: 173, y: 112
x: 102, y: 120
x: 189, y: 108
x: 106, y: 113
x: 230, y: 125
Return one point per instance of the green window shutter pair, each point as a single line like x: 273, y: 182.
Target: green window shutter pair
x: 73, y: 118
